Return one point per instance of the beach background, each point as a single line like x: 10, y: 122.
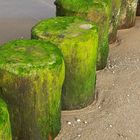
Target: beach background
x: 18, y: 16
x: 115, y: 113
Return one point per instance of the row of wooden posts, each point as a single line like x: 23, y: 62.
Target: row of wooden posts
x: 57, y: 67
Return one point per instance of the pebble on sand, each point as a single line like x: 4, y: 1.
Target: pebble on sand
x: 110, y: 126
x: 78, y: 120
x: 69, y: 123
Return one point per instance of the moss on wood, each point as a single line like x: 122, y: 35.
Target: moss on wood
x: 138, y: 8
x: 78, y: 41
x: 31, y: 77
x: 5, y: 126
x: 128, y: 13
x: 115, y: 18
x: 97, y: 11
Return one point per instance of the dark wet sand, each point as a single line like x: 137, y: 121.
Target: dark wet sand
x: 17, y: 17
x: 11, y: 29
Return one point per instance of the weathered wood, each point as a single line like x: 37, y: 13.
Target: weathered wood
x: 97, y: 11
x: 115, y: 19
x: 5, y: 126
x: 78, y: 41
x: 128, y: 14
x: 138, y: 8
x: 31, y: 77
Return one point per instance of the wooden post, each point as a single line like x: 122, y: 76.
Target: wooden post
x: 128, y: 14
x: 31, y: 77
x: 115, y: 19
x: 97, y: 11
x: 78, y: 41
x: 5, y: 126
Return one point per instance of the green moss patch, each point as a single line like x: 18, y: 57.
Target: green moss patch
x: 5, y: 127
x: 78, y: 41
x: 22, y: 57
x: 31, y: 77
x: 115, y: 19
x: 97, y: 11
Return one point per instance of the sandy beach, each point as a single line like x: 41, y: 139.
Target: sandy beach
x: 115, y: 113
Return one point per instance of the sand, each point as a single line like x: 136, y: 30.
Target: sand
x: 115, y: 113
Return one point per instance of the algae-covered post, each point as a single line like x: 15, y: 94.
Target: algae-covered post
x: 31, y: 78
x: 128, y: 13
x: 78, y: 41
x: 114, y: 22
x: 98, y: 11
x: 138, y: 8
x: 5, y: 126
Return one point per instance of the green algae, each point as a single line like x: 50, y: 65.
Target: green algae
x: 33, y: 98
x: 128, y: 13
x: 21, y: 57
x: 97, y: 11
x: 115, y: 18
x: 78, y: 41
x: 5, y: 127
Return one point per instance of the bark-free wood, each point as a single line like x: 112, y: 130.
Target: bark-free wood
x: 5, y: 126
x: 31, y: 77
x: 78, y: 41
x: 128, y: 14
x: 97, y: 11
x: 115, y: 19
